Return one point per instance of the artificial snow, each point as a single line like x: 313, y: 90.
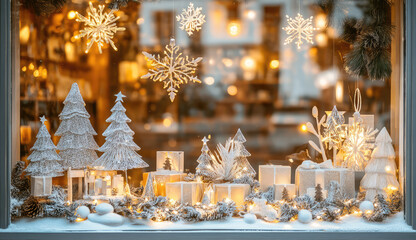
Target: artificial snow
x: 349, y: 223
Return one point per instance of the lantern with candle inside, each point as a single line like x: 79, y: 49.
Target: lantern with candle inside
x: 185, y: 192
x: 309, y: 174
x: 278, y: 190
x: 161, y: 178
x: 231, y: 191
x: 273, y: 174
x: 176, y: 160
x: 118, y: 183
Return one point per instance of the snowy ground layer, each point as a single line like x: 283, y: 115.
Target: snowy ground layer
x: 395, y: 223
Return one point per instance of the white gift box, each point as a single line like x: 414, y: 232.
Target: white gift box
x: 176, y: 160
x: 311, y: 192
x: 273, y: 174
x: 310, y: 174
x: 185, y: 192
x: 41, y: 186
x: 161, y: 178
x: 118, y: 183
x: 231, y: 191
x: 278, y: 190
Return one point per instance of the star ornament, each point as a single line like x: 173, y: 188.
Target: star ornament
x: 191, y: 19
x: 120, y: 97
x: 299, y: 29
x: 173, y: 69
x: 43, y: 119
x: 99, y: 28
x: 205, y: 140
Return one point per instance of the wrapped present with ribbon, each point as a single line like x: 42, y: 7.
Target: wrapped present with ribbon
x: 273, y: 174
x: 161, y: 178
x: 231, y: 191
x: 41, y: 186
x: 309, y: 174
x: 185, y: 192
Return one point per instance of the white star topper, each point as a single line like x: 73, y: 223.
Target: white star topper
x: 43, y: 119
x: 120, y: 97
x: 205, y: 140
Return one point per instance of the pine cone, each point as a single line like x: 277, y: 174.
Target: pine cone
x: 32, y: 208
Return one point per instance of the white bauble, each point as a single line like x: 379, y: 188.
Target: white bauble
x: 250, y: 218
x: 269, y: 214
x: 304, y: 216
x: 82, y: 212
x: 366, y: 206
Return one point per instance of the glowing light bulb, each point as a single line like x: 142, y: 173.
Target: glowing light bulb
x: 303, y: 128
x: 251, y: 14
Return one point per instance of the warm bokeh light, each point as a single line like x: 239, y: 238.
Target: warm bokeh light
x: 24, y: 34
x: 140, y: 21
x: 71, y: 14
x: 234, y: 28
x: 44, y: 73
x: 232, y: 90
x: 31, y: 66
x: 167, y: 122
x: 274, y: 64
x: 209, y: 80
x: 24, y: 68
x: 320, y: 21
x: 36, y: 73
x: 321, y: 39
x: 248, y: 63
x: 388, y: 169
x: 227, y: 62
x: 251, y: 14
x: 339, y: 91
x: 303, y: 128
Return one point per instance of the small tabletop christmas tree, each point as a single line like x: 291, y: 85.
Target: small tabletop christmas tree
x: 242, y: 155
x: 380, y: 173
x: 204, y: 161
x: 44, y: 161
x: 149, y: 191
x: 119, y: 150
x: 167, y: 165
x: 77, y: 145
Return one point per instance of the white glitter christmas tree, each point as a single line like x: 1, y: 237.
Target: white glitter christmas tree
x: 204, y: 161
x: 44, y: 161
x: 77, y: 145
x: 299, y: 29
x: 191, y: 19
x: 173, y: 69
x: 119, y: 149
x: 99, y: 28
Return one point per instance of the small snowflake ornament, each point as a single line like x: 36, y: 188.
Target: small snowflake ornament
x: 299, y: 29
x: 99, y: 27
x: 191, y: 19
x: 173, y: 69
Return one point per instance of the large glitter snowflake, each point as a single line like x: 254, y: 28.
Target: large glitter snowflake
x: 191, y: 19
x: 99, y: 27
x: 299, y: 29
x: 358, y: 146
x: 173, y: 69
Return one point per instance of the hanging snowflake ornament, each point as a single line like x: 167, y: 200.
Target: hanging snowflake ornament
x: 357, y: 147
x: 191, y: 19
x: 173, y: 69
x: 299, y: 29
x: 99, y: 28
